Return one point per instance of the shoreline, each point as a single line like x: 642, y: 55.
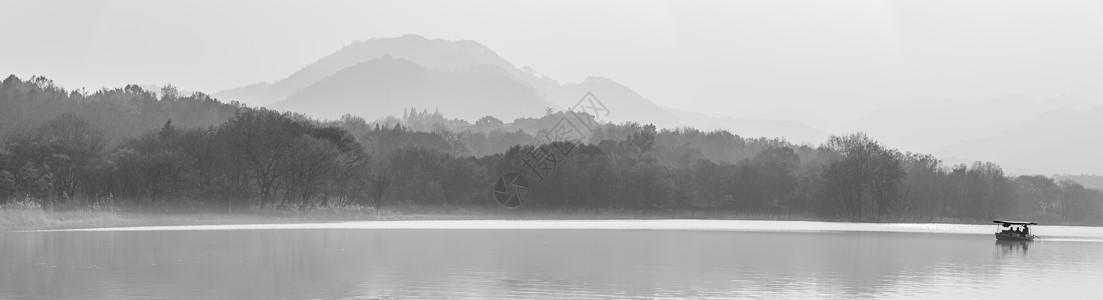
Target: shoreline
x: 1054, y: 233
x: 32, y: 220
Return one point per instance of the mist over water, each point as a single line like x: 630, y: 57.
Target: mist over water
x: 549, y: 259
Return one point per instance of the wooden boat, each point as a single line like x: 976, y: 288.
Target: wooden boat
x: 1014, y: 230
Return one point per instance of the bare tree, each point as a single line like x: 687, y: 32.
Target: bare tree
x: 456, y: 140
x: 379, y: 185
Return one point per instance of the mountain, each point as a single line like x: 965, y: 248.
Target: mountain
x: 381, y: 76
x: 1064, y: 140
x: 460, y: 58
x: 381, y: 87
x: 623, y: 103
x: 432, y: 54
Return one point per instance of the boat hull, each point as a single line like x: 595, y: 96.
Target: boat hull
x: 1014, y: 237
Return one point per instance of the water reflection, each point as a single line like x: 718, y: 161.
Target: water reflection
x: 1010, y: 247
x: 538, y: 263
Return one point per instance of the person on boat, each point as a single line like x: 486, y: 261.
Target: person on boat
x: 1026, y: 230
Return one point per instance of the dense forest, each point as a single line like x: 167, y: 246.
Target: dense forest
x: 147, y: 150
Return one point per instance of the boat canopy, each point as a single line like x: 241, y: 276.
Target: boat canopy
x: 1015, y: 222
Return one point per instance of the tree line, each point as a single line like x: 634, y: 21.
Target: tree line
x: 205, y: 155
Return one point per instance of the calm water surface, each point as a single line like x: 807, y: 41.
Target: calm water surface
x: 550, y: 259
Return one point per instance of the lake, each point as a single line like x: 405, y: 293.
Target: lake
x: 550, y: 259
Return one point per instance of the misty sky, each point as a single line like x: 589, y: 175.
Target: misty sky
x: 839, y: 59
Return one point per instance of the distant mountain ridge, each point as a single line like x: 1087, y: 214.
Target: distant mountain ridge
x: 381, y: 76
x: 388, y: 84
x: 465, y: 61
x: 433, y: 54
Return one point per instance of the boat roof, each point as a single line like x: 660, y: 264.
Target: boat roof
x: 1015, y: 222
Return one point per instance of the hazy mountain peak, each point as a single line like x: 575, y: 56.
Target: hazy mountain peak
x: 433, y: 54
x: 438, y: 54
x: 365, y: 77
x: 385, y: 86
